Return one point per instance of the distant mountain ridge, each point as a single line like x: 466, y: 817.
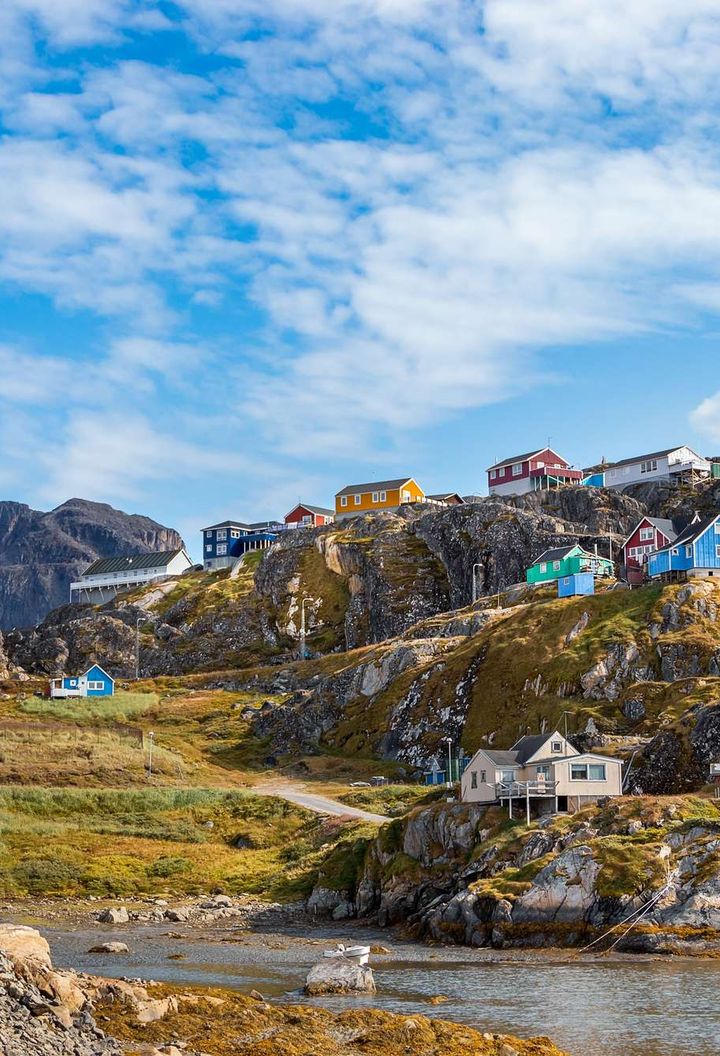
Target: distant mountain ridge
x: 41, y: 553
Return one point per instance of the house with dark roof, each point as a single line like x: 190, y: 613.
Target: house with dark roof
x: 563, y: 561
x: 695, y: 551
x: 544, y: 771
x: 226, y: 542
x: 378, y: 495
x: 446, y: 498
x: 306, y: 516
x: 648, y: 535
x: 107, y: 576
x: 675, y: 465
x: 537, y: 470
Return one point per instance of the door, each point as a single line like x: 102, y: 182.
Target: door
x: 562, y: 804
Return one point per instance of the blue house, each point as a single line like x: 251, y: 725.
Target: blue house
x: 580, y: 583
x: 695, y: 552
x: 94, y: 683
x: 225, y: 542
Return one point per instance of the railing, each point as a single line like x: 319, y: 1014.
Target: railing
x: 520, y: 789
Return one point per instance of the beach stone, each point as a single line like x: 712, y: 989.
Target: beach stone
x: 338, y: 975
x: 109, y: 947
x: 117, y: 915
x: 179, y: 916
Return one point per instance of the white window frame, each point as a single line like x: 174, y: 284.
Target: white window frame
x: 221, y: 549
x: 208, y: 548
x: 221, y: 534
x: 517, y: 469
x: 646, y: 534
x: 688, y: 550
x: 675, y: 551
x: 375, y: 496
x: 543, y: 566
x: 357, y: 499
x: 556, y: 746
x: 504, y: 779
x: 556, y: 566
x: 597, y: 766
x: 717, y: 550
x: 343, y: 500
x: 405, y: 496
x: 234, y: 533
x: 96, y: 685
x: 493, y: 474
x: 208, y: 535
x: 544, y: 770
x: 383, y: 496
x: 579, y: 766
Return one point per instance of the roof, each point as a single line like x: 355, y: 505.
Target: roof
x: 322, y: 510
x: 374, y: 485
x: 557, y: 553
x: 530, y: 744
x: 259, y: 526
x: 227, y: 524
x: 663, y: 524
x: 503, y: 758
x: 518, y: 458
x: 693, y: 531
x: 131, y: 562
x: 446, y: 495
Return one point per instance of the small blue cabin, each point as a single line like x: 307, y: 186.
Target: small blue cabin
x: 581, y: 583
x: 94, y: 683
x: 695, y: 552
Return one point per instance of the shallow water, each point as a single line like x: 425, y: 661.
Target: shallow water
x: 626, y: 1006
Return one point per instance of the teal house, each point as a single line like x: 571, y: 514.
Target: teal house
x: 567, y: 561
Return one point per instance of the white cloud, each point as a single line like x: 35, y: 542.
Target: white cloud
x: 706, y: 418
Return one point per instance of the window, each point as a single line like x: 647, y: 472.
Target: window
x: 221, y: 534
x: 517, y: 469
x: 556, y: 566
x: 507, y: 776
x: 358, y: 499
x: 221, y: 549
x: 405, y: 497
x: 234, y: 534
x: 96, y: 685
x: 646, y: 533
x: 208, y: 535
x: 473, y: 779
x: 543, y: 771
x: 383, y: 496
x: 578, y: 771
x: 717, y: 527
x: 543, y: 566
x: 688, y: 551
x: 648, y: 467
x: 493, y: 474
x: 675, y: 551
x: 556, y: 746
x: 343, y: 500
x: 483, y: 777
x: 208, y: 549
x: 596, y: 771
x: 374, y: 496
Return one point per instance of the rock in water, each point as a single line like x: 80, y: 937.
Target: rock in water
x: 114, y: 916
x: 338, y: 975
x: 109, y: 947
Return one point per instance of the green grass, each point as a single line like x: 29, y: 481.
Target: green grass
x: 392, y: 800
x: 121, y: 707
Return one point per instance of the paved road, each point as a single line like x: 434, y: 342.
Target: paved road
x: 299, y: 795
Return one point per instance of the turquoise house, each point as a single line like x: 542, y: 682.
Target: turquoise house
x: 564, y: 561
x: 695, y: 552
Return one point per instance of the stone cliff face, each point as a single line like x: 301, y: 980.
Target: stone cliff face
x: 461, y: 873
x: 41, y: 553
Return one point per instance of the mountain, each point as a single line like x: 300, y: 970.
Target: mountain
x: 41, y: 553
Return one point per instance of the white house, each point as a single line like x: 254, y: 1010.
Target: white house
x: 107, y: 576
x: 675, y: 464
x: 545, y: 768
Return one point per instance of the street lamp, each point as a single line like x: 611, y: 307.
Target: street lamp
x: 449, y: 771
x: 138, y: 621
x: 302, y: 627
x: 475, y: 568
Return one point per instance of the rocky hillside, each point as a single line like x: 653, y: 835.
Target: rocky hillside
x: 41, y: 553
x: 466, y: 874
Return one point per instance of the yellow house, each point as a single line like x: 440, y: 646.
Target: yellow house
x: 388, y: 495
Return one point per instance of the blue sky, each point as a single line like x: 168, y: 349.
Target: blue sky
x: 252, y: 250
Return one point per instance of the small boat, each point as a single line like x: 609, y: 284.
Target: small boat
x: 359, y: 954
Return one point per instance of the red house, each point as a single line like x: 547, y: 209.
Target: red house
x: 533, y: 471
x: 305, y: 516
x: 649, y: 535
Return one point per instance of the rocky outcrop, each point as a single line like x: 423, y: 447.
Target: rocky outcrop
x: 338, y: 975
x: 41, y: 553
x: 43, y: 1012
x: 456, y: 873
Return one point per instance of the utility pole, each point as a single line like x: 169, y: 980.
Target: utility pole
x: 151, y: 738
x: 302, y: 627
x: 449, y: 751
x: 475, y: 568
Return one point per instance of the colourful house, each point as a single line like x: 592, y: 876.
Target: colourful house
x: 306, y: 516
x: 534, y: 471
x: 227, y: 541
x: 565, y: 561
x: 676, y: 465
x: 582, y: 583
x: 695, y: 552
x: 385, y: 495
x: 649, y: 535
x: 94, y: 683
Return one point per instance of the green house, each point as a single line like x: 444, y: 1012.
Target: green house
x: 567, y: 561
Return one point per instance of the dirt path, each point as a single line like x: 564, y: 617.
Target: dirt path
x: 303, y: 796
